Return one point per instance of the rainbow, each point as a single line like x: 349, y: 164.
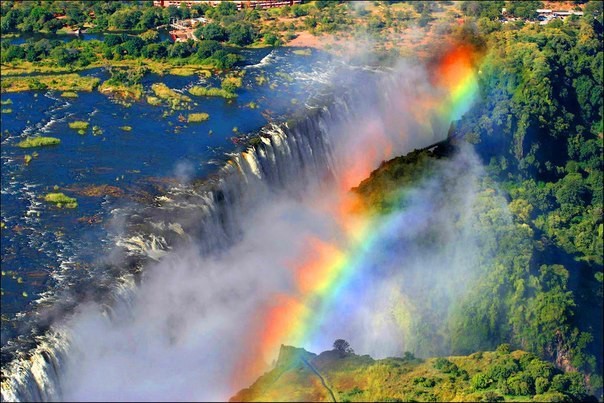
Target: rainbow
x: 328, y: 273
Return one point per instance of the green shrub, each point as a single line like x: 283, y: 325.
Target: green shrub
x: 503, y: 348
x: 444, y: 365
x: 537, y: 368
x: 426, y: 382
x: 541, y: 385
x: 126, y: 128
x: 69, y: 94
x: 521, y: 384
x: 503, y: 369
x: 480, y: 381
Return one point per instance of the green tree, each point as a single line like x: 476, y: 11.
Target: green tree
x: 241, y: 34
x: 212, y: 32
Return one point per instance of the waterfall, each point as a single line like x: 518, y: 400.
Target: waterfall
x: 205, y: 213
x: 287, y: 157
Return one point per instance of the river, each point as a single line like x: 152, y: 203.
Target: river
x: 45, y: 248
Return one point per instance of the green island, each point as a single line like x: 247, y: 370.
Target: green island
x: 197, y: 117
x: 211, y: 92
x: 40, y: 141
x: 175, y: 99
x: 61, y: 200
x: 79, y: 125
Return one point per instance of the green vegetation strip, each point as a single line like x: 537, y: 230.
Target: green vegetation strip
x: 58, y: 82
x: 211, y: 92
x: 38, y: 142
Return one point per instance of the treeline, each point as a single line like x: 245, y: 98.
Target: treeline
x: 228, y: 27
x: 50, y: 16
x: 538, y: 126
x: 79, y: 53
x: 539, y: 212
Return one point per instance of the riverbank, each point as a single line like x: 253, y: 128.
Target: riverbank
x: 56, y: 82
x: 27, y: 76
x: 155, y: 66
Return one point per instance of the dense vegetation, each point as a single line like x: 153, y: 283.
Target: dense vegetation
x: 538, y: 127
x: 481, y: 377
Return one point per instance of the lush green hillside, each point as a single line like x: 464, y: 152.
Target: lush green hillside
x: 537, y: 127
x: 540, y: 294
x: 484, y: 376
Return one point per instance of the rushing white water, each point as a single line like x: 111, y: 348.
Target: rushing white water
x: 290, y: 157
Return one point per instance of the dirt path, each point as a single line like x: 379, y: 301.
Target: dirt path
x: 313, y: 369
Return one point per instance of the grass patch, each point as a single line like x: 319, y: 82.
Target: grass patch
x: 189, y: 71
x: 62, y: 82
x: 6, y: 110
x: 7, y: 102
x: 211, y: 92
x: 253, y: 105
x: 197, y: 117
x: 175, y: 99
x: 182, y: 71
x: 60, y: 200
x: 302, y: 52
x: 27, y: 159
x: 69, y: 94
x: 79, y: 125
x: 38, y: 142
x: 123, y: 91
x: 126, y: 128
x: 50, y: 67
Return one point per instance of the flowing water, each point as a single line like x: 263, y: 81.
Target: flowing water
x: 44, y: 247
x: 173, y: 184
